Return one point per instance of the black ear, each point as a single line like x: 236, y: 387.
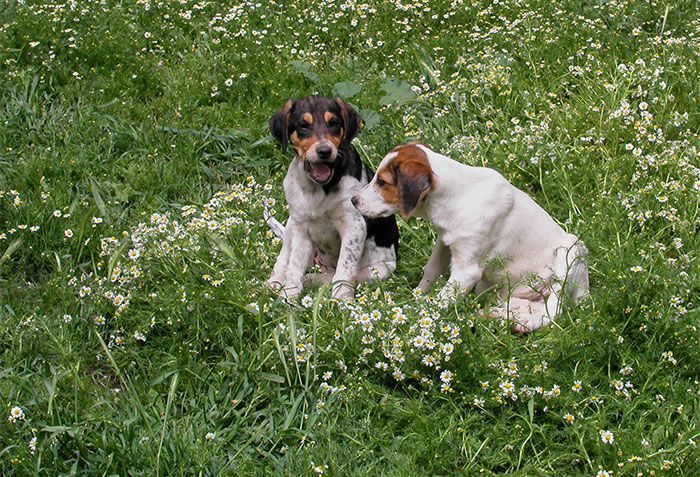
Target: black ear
x: 278, y: 124
x: 352, y: 119
x: 413, y: 179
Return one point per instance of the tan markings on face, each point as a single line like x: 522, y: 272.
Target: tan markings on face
x: 386, y: 176
x: 388, y: 190
x: 335, y: 140
x: 308, y: 117
x: 301, y: 145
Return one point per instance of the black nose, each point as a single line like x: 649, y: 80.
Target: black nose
x: 324, y: 152
x: 354, y: 200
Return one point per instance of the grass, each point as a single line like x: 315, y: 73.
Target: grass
x: 135, y: 168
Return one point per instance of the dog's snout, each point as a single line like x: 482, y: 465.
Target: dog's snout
x: 324, y: 152
x: 354, y: 200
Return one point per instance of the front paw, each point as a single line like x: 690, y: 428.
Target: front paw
x: 424, y: 285
x: 283, y: 289
x: 343, y: 291
x: 290, y: 290
x: 274, y: 283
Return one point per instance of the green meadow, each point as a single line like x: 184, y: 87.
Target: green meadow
x: 136, y: 166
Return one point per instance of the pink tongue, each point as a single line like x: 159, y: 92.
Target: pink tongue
x: 320, y: 172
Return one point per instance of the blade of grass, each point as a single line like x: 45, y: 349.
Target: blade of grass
x: 171, y: 393
x: 98, y: 198
x: 223, y: 246
x: 112, y: 361
x: 11, y: 249
x: 115, y: 256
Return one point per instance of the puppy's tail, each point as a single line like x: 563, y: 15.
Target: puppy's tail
x: 571, y: 274
x: 274, y: 224
x: 576, y: 263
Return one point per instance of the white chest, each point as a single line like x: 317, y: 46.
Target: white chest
x: 323, y: 216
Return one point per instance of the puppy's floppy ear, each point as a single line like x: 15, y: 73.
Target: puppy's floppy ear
x: 351, y: 118
x: 413, y: 179
x: 278, y: 123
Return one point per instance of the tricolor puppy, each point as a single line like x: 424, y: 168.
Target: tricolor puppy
x: 323, y: 227
x: 490, y: 234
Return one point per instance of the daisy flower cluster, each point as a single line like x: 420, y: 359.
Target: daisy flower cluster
x: 15, y: 417
x: 13, y: 224
x: 16, y: 414
x: 662, y: 154
x: 510, y: 384
x: 298, y: 344
x: 622, y: 387
x: 411, y: 341
x: 130, y: 264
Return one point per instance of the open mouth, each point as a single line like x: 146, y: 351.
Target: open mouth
x: 319, y: 172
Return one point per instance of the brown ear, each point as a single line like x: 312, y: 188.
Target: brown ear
x: 278, y: 124
x: 413, y: 179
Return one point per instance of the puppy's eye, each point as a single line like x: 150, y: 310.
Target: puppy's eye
x: 303, y: 127
x: 380, y: 182
x: 334, y: 123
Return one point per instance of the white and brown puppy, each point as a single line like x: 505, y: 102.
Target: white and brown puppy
x: 490, y: 234
x: 323, y: 227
